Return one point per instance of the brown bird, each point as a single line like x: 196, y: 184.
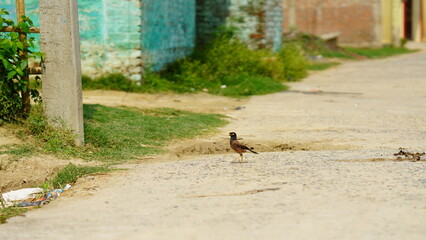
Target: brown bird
x: 239, y: 147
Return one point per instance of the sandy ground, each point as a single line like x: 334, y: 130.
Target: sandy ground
x: 335, y: 178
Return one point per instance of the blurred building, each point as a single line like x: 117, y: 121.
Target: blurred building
x: 359, y: 22
x: 127, y: 36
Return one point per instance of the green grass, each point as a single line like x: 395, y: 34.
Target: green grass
x: 353, y: 53
x: 125, y: 133
x: 382, y: 52
x: 319, y: 66
x: 17, y: 150
x: 117, y: 134
x: 71, y: 173
x: 6, y: 213
x: 337, y: 54
x: 245, y: 86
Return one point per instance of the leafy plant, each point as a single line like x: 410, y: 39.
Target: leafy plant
x: 14, y: 54
x: 227, y: 66
x: 295, y: 63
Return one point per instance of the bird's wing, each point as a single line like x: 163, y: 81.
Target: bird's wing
x: 239, y: 145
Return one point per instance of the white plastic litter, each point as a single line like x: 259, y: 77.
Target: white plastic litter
x: 21, y: 194
x: 67, y: 187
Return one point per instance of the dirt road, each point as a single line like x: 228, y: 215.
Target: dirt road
x: 334, y: 178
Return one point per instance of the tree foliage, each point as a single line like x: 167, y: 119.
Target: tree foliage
x: 14, y: 54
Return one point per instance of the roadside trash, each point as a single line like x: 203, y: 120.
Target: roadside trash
x: 57, y: 192
x: 29, y: 195
x: 32, y: 204
x: 18, y: 195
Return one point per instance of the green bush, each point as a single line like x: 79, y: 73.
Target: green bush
x: 294, y: 62
x: 228, y: 67
x: 14, y: 86
x: 225, y: 66
x: 114, y: 81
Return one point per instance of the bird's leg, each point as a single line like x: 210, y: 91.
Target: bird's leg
x: 241, y: 157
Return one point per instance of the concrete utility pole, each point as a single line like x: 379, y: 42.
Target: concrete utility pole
x: 62, y: 96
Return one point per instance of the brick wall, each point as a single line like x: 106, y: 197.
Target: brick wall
x: 258, y: 21
x: 210, y: 14
x: 356, y: 20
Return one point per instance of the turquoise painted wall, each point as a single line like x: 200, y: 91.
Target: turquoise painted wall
x: 168, y: 30
x: 109, y: 33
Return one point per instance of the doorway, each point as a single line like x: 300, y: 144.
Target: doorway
x: 408, y: 19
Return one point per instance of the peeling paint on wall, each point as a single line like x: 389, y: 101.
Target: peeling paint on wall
x: 259, y: 22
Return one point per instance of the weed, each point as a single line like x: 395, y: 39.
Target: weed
x: 319, y: 66
x: 337, y: 54
x: 114, y: 81
x: 385, y: 51
x: 115, y: 133
x: 121, y: 134
x: 6, y: 213
x: 242, y: 86
x: 71, y: 173
x: 313, y: 45
x: 294, y: 62
x: 54, y: 140
x: 17, y: 150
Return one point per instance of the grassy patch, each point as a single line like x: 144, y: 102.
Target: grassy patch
x: 337, y: 54
x: 71, y: 173
x: 17, y: 150
x: 319, y: 66
x: 353, y: 53
x: 113, y: 81
x: 124, y: 133
x: 6, y: 213
x: 244, y: 86
x: 382, y: 52
x: 115, y: 134
x: 313, y: 45
x: 52, y: 140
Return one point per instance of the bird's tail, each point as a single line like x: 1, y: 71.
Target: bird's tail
x: 250, y: 149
